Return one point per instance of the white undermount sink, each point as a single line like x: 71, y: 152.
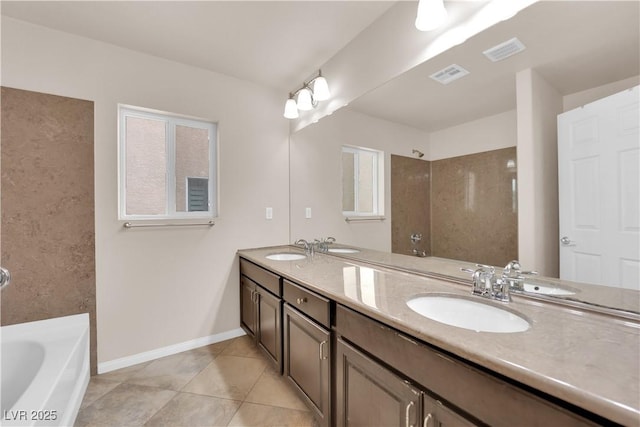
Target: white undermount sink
x: 285, y: 257
x: 343, y: 251
x: 536, y: 288
x: 468, y: 313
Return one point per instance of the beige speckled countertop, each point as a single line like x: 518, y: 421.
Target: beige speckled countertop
x: 596, y: 296
x: 587, y: 359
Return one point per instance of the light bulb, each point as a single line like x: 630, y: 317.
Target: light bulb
x: 321, y: 89
x: 431, y: 14
x: 304, y: 99
x: 291, y: 109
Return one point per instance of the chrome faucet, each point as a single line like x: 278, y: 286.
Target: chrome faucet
x: 487, y: 285
x: 322, y: 244
x: 308, y: 247
x: 513, y: 275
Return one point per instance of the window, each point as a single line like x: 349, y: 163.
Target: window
x: 362, y: 181
x: 167, y: 167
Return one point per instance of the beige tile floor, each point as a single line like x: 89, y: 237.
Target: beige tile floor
x: 224, y: 384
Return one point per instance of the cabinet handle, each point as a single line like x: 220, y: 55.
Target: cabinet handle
x: 428, y: 418
x: 301, y: 300
x: 322, y: 344
x: 406, y: 414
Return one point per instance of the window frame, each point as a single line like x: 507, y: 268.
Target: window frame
x: 377, y: 184
x: 171, y: 121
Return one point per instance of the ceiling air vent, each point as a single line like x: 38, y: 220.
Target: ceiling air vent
x: 504, y: 50
x: 449, y: 74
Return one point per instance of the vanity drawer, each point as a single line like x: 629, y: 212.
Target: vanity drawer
x: 312, y: 304
x: 486, y: 397
x: 264, y: 278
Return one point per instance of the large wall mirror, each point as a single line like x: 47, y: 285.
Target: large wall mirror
x: 462, y: 166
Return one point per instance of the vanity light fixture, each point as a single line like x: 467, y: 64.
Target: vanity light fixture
x: 291, y: 108
x: 431, y: 14
x: 307, y: 97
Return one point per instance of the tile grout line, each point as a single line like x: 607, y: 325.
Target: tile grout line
x: 254, y: 356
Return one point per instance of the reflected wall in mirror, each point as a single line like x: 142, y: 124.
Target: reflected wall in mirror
x: 569, y: 61
x: 462, y: 207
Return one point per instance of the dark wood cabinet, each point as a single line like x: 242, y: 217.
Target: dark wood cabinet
x: 269, y: 330
x: 436, y: 414
x: 466, y: 394
x: 368, y: 394
x: 261, y: 309
x: 307, y: 361
x: 248, y: 306
x: 353, y: 370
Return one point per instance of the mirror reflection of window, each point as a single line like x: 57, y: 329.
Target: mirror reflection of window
x: 364, y: 285
x: 167, y: 166
x: 362, y: 181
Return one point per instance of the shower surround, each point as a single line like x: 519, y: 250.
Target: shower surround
x: 47, y: 203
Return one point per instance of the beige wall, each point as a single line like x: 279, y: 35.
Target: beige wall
x: 485, y: 134
x: 538, y: 107
x: 165, y: 286
x: 578, y: 99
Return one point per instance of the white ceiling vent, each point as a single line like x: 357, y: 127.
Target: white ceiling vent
x: 449, y: 74
x: 504, y: 50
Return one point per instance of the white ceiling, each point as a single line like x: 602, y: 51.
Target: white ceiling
x: 574, y: 45
x: 274, y: 43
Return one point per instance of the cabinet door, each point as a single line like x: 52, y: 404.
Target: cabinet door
x: 247, y: 306
x: 307, y: 363
x: 438, y: 415
x: 367, y: 394
x: 269, y: 332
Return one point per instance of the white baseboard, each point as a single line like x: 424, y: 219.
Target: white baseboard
x: 124, y: 362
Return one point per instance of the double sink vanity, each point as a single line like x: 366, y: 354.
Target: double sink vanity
x: 367, y: 344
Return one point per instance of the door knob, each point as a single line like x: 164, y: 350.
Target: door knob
x: 567, y: 241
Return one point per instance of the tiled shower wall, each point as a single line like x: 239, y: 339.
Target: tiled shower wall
x: 473, y: 206
x: 410, y: 204
x: 47, y: 202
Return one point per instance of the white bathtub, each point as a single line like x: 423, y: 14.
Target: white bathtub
x: 44, y: 367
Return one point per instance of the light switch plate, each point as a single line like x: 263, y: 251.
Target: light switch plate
x: 307, y: 213
x: 269, y: 213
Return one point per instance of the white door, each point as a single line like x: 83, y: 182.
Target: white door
x: 599, y: 191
